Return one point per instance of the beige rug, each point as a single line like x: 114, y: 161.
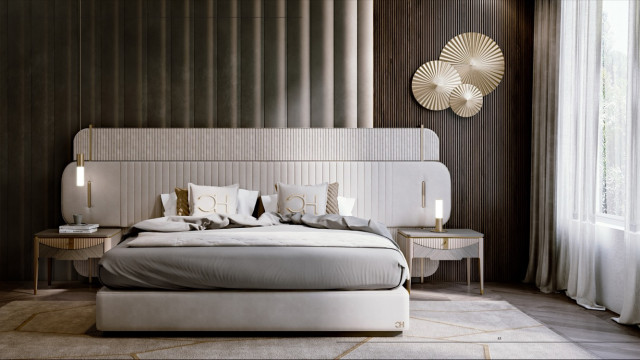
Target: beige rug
x: 438, y: 329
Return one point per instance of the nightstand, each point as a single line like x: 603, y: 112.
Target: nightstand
x: 455, y: 244
x: 51, y: 244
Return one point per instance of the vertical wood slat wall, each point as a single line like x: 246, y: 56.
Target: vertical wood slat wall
x: 488, y: 154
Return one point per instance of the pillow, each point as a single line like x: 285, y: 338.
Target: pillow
x: 207, y: 200
x: 332, y: 198
x: 246, y: 202
x: 346, y: 205
x: 270, y: 203
x: 310, y: 199
x: 169, y: 203
x: 182, y: 202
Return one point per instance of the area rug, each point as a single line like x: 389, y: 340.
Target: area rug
x: 438, y: 329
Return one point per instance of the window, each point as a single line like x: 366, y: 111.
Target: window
x: 613, y: 116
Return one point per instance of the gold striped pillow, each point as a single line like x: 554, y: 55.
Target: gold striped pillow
x: 182, y: 203
x: 332, y: 198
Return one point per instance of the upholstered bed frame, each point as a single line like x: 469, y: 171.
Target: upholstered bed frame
x: 393, y: 174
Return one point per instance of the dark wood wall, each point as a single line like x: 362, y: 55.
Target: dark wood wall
x: 488, y: 154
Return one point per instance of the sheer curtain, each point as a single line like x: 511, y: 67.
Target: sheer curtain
x: 630, y: 313
x: 577, y: 160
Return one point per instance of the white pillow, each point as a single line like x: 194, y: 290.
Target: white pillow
x: 169, y: 203
x: 246, y: 202
x: 345, y: 205
x: 270, y: 203
x: 207, y: 200
x: 309, y: 199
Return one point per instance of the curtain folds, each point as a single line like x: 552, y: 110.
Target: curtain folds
x: 541, y: 268
x: 577, y: 160
x: 565, y: 137
x: 564, y: 154
x: 630, y: 313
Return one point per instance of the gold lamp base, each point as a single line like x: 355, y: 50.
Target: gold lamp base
x: 438, y: 228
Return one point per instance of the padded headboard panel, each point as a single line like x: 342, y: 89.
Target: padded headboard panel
x: 125, y: 192
x: 217, y: 144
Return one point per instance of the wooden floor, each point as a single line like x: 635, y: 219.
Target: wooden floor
x: 592, y: 330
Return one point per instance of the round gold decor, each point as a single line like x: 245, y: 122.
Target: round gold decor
x: 477, y: 58
x: 466, y: 100
x: 432, y: 84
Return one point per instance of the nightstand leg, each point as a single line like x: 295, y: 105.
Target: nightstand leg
x: 36, y: 246
x: 49, y: 267
x: 468, y: 271
x: 90, y: 268
x: 421, y: 270
x: 481, y: 261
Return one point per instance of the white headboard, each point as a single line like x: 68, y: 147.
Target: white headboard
x: 388, y: 190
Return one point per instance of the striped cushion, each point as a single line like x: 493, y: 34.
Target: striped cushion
x: 182, y: 204
x: 332, y: 198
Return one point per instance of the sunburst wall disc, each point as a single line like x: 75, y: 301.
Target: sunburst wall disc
x: 466, y: 100
x: 477, y: 58
x: 432, y: 84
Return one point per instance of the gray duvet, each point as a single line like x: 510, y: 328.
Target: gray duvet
x: 322, y: 253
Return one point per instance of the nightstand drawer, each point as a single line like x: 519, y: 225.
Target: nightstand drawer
x: 445, y: 243
x: 470, y: 251
x: 71, y: 243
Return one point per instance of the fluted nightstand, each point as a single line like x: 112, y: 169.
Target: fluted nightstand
x: 52, y: 244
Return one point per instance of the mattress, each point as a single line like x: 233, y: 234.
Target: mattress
x: 273, y: 261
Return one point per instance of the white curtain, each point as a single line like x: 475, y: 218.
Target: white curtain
x: 630, y: 313
x: 577, y: 162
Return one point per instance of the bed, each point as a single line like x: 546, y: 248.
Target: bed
x: 315, y: 279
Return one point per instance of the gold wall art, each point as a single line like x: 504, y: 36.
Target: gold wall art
x: 466, y: 100
x: 432, y: 84
x: 477, y: 58
x: 471, y: 66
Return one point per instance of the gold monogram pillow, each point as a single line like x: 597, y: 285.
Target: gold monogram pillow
x: 310, y: 199
x: 207, y: 200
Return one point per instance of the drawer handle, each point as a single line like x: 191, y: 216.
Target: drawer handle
x: 424, y: 195
x: 89, y: 194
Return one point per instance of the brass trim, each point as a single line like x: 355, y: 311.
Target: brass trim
x: 429, y: 236
x: 80, y: 159
x: 424, y: 195
x: 90, y: 141
x: 89, y: 194
x: 422, y: 144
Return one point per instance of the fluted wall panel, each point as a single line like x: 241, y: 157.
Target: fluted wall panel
x: 275, y: 63
x: 158, y: 65
x: 6, y: 267
x: 251, y: 63
x: 298, y: 64
x: 205, y: 62
x: 488, y: 154
x: 346, y: 64
x: 322, y: 66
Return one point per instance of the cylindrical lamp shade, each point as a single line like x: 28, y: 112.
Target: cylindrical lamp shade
x: 439, y: 209
x: 80, y: 170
